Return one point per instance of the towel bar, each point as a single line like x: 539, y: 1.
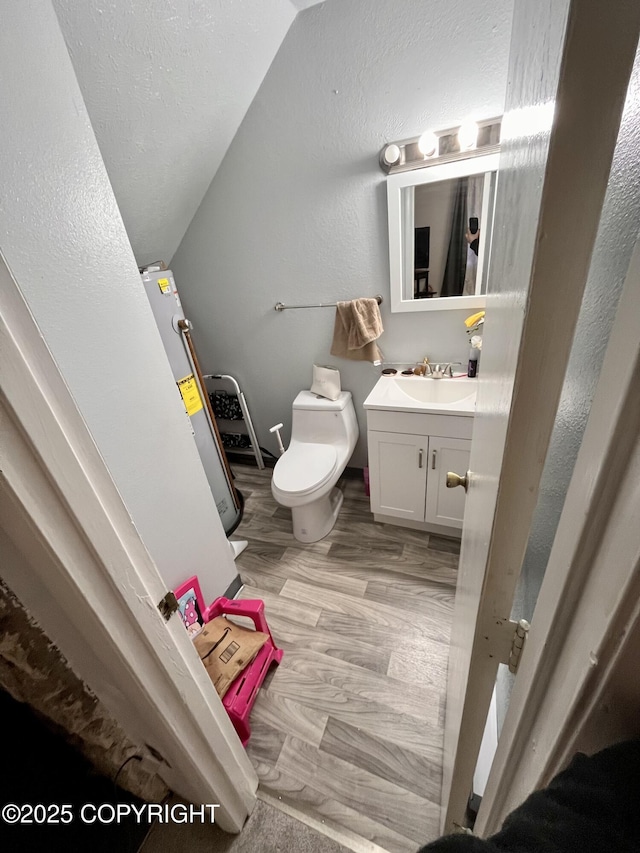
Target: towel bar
x: 280, y: 307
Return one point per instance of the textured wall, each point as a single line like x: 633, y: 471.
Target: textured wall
x: 32, y: 670
x: 166, y: 84
x: 297, y: 211
x: 62, y: 237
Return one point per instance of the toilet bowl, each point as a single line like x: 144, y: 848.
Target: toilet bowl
x: 323, y: 436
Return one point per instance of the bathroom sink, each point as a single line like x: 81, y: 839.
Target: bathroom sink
x: 424, y: 394
x: 428, y: 390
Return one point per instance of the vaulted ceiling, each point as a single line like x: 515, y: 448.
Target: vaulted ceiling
x: 167, y: 84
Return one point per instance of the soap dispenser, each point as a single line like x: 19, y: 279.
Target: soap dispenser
x: 474, y: 356
x: 474, y: 323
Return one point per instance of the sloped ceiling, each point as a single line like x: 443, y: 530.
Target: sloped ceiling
x: 167, y: 84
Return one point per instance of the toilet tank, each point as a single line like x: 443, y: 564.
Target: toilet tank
x: 320, y: 420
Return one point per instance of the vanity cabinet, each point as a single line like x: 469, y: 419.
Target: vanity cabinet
x: 409, y: 456
x: 446, y: 506
x: 397, y: 474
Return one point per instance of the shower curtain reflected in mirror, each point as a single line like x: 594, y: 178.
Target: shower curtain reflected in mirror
x: 462, y: 257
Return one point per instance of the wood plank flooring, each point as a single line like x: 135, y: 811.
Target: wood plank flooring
x: 349, y: 727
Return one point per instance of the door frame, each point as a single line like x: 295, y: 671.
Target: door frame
x: 85, y: 575
x: 576, y: 168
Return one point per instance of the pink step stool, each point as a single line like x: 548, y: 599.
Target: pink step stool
x: 239, y: 698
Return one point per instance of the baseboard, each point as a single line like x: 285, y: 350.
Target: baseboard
x: 353, y: 473
x: 234, y: 587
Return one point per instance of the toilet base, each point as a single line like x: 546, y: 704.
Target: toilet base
x: 314, y: 521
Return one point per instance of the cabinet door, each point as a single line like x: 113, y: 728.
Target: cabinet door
x: 397, y: 474
x: 446, y: 506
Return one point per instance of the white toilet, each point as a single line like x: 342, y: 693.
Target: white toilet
x: 323, y: 436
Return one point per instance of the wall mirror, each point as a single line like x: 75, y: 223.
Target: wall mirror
x: 440, y: 229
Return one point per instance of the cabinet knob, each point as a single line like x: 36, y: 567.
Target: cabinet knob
x: 454, y: 480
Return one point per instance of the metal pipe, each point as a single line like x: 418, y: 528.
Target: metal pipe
x: 185, y: 328
x: 280, y: 307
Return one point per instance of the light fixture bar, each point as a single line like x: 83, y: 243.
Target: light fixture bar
x: 442, y: 146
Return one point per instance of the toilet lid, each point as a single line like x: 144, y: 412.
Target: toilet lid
x: 304, y: 467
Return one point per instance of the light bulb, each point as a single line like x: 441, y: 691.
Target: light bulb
x: 391, y: 154
x: 468, y: 135
x: 428, y: 143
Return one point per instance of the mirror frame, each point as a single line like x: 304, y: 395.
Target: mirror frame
x: 476, y: 165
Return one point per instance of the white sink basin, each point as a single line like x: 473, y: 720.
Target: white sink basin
x: 423, y: 394
x: 435, y: 390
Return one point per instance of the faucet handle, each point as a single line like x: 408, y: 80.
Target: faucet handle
x: 449, y: 368
x: 444, y: 368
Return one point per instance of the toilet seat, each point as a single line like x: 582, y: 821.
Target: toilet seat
x: 304, y: 468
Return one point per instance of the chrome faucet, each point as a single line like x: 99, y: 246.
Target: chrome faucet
x: 437, y: 371
x: 427, y: 368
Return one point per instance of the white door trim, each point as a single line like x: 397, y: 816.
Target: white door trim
x: 589, y: 603
x: 90, y: 582
x: 575, y: 180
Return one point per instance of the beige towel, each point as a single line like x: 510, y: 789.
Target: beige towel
x: 358, y: 324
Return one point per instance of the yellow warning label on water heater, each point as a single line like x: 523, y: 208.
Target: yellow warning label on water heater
x: 190, y: 394
x: 163, y: 284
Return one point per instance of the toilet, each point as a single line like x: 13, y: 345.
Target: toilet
x: 323, y: 436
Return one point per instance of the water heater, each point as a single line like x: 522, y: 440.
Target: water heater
x: 191, y: 395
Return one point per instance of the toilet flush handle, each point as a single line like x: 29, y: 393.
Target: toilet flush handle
x: 277, y: 429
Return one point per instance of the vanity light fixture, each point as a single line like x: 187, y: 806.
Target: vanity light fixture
x: 390, y: 155
x: 468, y: 135
x: 428, y: 144
x: 469, y: 139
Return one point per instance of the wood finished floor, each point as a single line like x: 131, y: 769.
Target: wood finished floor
x: 349, y: 727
